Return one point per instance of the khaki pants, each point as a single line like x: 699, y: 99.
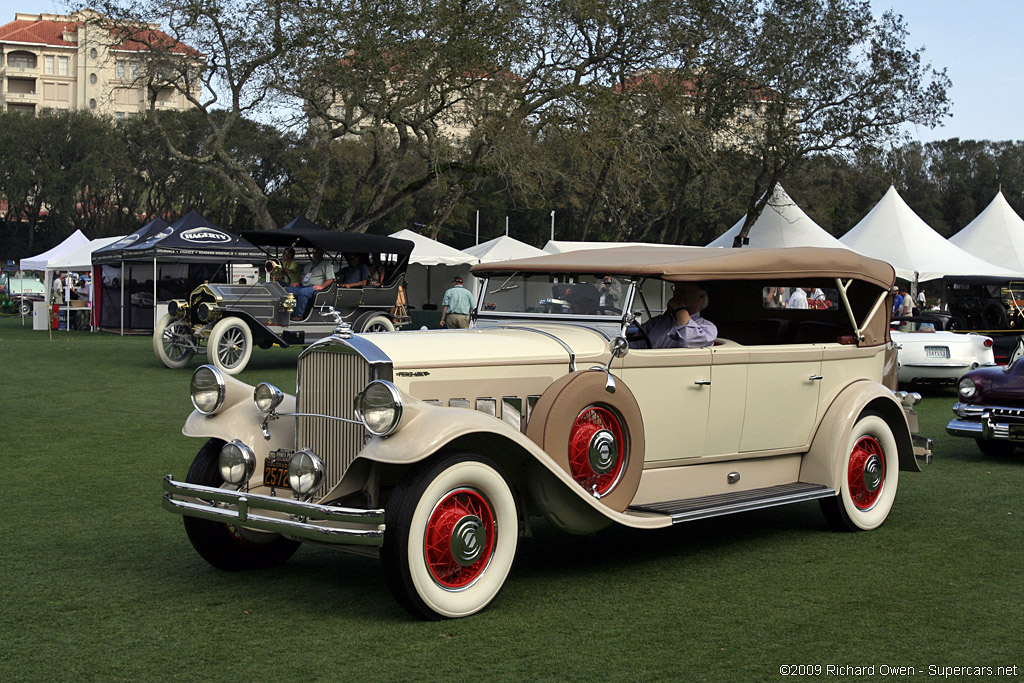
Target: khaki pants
x: 456, y: 320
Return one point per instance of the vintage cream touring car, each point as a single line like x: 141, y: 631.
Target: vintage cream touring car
x: 434, y: 450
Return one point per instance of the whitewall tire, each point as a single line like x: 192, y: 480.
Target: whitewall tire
x: 230, y: 345
x: 869, y: 477
x: 378, y: 323
x: 452, y: 529
x: 173, y: 342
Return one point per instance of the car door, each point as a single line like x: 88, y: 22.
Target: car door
x: 781, y: 403
x: 673, y: 389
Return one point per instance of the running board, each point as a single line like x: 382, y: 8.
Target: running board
x: 689, y: 509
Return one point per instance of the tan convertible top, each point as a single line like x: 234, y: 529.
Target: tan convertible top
x: 705, y: 263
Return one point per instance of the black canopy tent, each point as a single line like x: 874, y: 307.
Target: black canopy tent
x: 162, y: 264
x: 302, y: 222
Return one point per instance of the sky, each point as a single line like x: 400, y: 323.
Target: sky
x: 980, y: 43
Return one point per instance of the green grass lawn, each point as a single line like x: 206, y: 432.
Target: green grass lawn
x: 99, y: 583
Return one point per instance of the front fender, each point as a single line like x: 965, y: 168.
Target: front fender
x: 260, y: 332
x: 823, y: 463
x: 240, y: 419
x: 427, y: 429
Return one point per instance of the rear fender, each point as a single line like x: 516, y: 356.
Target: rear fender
x: 823, y: 463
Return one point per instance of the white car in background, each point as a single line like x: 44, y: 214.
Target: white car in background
x: 926, y: 357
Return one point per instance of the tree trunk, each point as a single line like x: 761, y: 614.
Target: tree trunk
x: 595, y: 197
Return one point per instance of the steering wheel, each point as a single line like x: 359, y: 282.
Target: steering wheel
x: 635, y: 333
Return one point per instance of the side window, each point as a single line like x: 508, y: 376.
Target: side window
x: 814, y: 298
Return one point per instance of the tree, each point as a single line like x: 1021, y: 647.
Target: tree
x: 828, y: 77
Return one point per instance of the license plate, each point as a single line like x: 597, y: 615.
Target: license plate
x: 936, y: 352
x: 1016, y: 432
x: 275, y: 472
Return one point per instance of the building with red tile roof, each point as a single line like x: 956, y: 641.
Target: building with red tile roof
x: 81, y: 61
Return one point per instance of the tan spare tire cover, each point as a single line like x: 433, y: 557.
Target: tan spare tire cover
x: 553, y: 427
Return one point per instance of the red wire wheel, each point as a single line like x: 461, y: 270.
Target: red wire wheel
x: 597, y: 449
x: 460, y: 537
x: 866, y: 473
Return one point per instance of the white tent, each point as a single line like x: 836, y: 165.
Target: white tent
x: 80, y: 260
x: 565, y: 246
x: 892, y: 232
x: 428, y: 252
x: 781, y: 224
x: 432, y: 266
x: 502, y: 248
x: 996, y: 235
x: 40, y: 261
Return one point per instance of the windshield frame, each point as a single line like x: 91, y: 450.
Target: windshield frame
x: 480, y: 314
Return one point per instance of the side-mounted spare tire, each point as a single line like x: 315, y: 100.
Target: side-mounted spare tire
x: 597, y: 437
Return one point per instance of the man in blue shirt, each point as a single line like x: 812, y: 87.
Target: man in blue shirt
x: 356, y: 273
x: 456, y: 305
x: 682, y: 325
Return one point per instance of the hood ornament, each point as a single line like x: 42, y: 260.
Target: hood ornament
x: 342, y: 329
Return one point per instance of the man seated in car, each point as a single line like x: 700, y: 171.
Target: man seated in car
x: 682, y: 325
x: 317, y: 275
x: 356, y: 273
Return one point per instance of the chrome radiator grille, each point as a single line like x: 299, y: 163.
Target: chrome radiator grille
x: 328, y: 381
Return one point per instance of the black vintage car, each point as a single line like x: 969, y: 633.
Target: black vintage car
x: 984, y: 303
x: 226, y: 320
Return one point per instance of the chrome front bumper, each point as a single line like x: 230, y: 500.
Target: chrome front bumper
x: 989, y: 423
x: 321, y: 523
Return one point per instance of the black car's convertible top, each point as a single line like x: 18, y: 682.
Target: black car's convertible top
x: 331, y: 241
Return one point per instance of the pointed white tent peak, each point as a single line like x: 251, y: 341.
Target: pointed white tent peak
x: 40, y: 261
x: 781, y: 224
x: 81, y: 258
x: 996, y: 235
x: 892, y: 232
x: 428, y: 252
x: 502, y: 248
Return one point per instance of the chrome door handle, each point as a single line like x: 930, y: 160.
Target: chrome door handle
x: 815, y: 378
x: 702, y: 382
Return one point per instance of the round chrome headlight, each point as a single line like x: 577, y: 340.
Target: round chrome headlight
x: 379, y: 407
x: 237, y: 462
x: 967, y: 387
x: 207, y: 389
x: 206, y: 311
x: 305, y: 472
x: 176, y: 308
x: 267, y: 397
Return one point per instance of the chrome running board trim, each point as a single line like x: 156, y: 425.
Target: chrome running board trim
x: 689, y: 509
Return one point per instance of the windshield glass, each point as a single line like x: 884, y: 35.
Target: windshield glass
x: 557, y: 295
x: 24, y: 286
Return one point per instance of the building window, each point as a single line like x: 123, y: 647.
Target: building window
x: 21, y: 60
x: 119, y: 68
x: 63, y: 65
x: 48, y: 64
x: 92, y: 79
x: 135, y: 69
x: 119, y: 116
x: 92, y: 53
x: 92, y: 104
